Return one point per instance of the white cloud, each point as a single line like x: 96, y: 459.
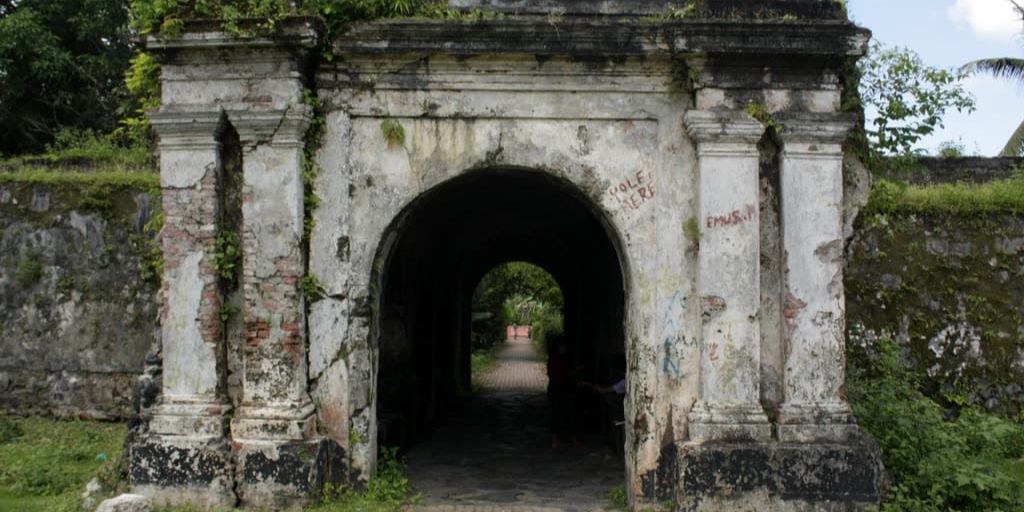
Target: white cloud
x: 995, y: 20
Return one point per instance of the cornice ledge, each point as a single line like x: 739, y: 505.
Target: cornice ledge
x: 186, y: 127
x: 296, y: 32
x: 597, y: 37
x: 282, y: 126
x: 724, y: 126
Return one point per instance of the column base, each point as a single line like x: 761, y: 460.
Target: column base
x: 193, y: 418
x: 277, y: 475
x: 182, y: 470
x: 807, y: 423
x: 729, y: 423
x: 831, y: 477
x: 275, y: 422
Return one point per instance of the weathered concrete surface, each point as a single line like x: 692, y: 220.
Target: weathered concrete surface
x: 779, y: 476
x: 646, y: 177
x: 77, y: 317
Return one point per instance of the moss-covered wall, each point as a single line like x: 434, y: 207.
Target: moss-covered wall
x: 78, y: 276
x: 941, y: 268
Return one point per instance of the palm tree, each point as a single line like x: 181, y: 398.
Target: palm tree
x: 1005, y: 67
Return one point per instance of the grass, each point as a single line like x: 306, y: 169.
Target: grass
x: 45, y: 464
x: 85, y: 149
x: 120, y: 178
x: 1000, y: 196
x: 482, y: 360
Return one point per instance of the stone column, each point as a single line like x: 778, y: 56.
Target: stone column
x: 185, y: 457
x: 814, y: 404
x: 728, y: 277
x: 274, y: 429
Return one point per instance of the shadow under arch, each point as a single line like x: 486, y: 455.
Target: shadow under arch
x: 437, y: 249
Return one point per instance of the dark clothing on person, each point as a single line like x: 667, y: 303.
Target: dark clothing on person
x: 562, y: 396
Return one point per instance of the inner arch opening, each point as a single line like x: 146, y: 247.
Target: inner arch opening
x: 445, y: 242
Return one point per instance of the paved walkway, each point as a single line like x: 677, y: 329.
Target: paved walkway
x: 495, y: 453
x: 518, y: 369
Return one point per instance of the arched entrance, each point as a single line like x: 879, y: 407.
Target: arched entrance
x: 435, y: 254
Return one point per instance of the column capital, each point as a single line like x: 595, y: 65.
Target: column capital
x: 282, y: 127
x: 815, y: 128
x: 722, y: 126
x: 188, y: 129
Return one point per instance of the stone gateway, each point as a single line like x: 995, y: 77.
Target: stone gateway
x: 678, y: 170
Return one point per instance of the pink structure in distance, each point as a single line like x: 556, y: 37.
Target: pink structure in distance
x: 516, y: 332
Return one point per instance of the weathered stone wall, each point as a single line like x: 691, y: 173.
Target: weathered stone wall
x: 949, y: 288
x: 77, y: 316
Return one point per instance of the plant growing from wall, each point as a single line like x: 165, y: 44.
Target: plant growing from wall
x: 312, y: 288
x: 393, y: 133
x: 760, y: 112
x: 310, y: 169
x: 227, y: 255
x: 30, y: 271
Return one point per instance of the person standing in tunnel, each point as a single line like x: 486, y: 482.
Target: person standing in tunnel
x: 562, y: 392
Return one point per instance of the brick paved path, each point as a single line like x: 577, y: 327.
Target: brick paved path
x: 495, y: 454
x: 518, y: 368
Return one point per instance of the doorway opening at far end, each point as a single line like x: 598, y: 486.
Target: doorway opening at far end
x: 469, y: 440
x: 517, y: 307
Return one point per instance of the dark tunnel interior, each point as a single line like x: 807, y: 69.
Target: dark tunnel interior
x: 447, y: 240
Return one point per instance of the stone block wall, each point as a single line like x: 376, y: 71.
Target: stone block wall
x: 77, y: 315
x: 950, y: 289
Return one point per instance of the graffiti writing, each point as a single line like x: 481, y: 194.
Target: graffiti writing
x: 733, y: 218
x: 674, y: 340
x: 713, y: 352
x: 635, y: 191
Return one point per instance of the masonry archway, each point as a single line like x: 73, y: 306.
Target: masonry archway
x: 435, y: 253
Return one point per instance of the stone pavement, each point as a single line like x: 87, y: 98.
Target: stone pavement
x: 495, y: 454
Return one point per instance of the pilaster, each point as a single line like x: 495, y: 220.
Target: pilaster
x: 276, y: 421
x: 185, y: 456
x: 728, y: 277
x: 814, y: 407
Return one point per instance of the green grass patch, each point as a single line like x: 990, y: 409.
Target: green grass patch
x: 119, y: 179
x: 45, y: 464
x: 1000, y: 196
x: 86, y: 150
x: 389, y: 490
x: 90, y: 191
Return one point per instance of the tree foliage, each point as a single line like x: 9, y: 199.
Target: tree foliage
x: 168, y: 16
x: 1012, y: 69
x: 62, y: 64
x: 907, y: 99
x: 516, y: 292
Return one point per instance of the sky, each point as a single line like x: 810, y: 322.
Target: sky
x: 949, y: 33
